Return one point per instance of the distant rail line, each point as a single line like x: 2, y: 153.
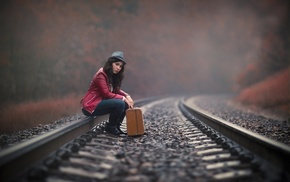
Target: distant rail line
x: 181, y: 143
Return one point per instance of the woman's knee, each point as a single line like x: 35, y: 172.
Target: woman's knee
x: 120, y: 104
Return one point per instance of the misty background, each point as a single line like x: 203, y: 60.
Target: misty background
x: 53, y: 48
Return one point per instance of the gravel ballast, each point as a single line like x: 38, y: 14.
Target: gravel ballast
x: 265, y: 123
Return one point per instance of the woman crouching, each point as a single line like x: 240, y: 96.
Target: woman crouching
x: 105, y: 96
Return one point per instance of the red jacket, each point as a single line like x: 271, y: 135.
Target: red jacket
x: 99, y: 89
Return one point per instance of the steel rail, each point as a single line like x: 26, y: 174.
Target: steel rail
x: 23, y: 155
x: 275, y: 152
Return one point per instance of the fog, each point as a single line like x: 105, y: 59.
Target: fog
x: 53, y: 48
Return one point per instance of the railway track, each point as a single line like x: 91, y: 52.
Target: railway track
x: 177, y: 146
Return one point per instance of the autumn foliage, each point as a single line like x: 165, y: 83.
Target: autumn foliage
x: 53, y: 48
x: 265, y: 83
x: 31, y: 114
x: 273, y: 92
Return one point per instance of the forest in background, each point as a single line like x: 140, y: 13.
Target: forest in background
x: 51, y: 49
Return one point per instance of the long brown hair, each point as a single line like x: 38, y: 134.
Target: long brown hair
x: 114, y: 79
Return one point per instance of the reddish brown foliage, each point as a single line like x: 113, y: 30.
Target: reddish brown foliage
x: 16, y: 117
x: 274, y: 92
x: 53, y: 48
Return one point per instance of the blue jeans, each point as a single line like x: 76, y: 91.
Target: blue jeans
x: 115, y: 107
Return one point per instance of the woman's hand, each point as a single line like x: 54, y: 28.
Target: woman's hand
x: 129, y: 101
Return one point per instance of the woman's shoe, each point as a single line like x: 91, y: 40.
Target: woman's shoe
x: 112, y: 130
x: 120, y: 131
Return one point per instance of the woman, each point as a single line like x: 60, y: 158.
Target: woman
x: 105, y: 96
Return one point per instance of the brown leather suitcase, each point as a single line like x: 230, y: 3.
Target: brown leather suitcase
x: 135, y: 124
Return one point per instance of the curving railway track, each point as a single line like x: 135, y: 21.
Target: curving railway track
x: 181, y: 143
